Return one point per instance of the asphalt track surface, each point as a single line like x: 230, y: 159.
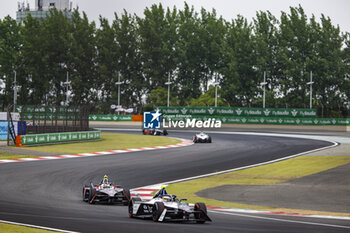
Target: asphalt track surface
x: 48, y: 193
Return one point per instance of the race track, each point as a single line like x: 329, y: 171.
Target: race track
x: 48, y: 193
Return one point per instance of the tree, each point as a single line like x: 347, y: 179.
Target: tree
x: 265, y: 43
x: 294, y: 52
x: 56, y: 45
x: 130, y: 64
x: 33, y: 54
x: 107, y: 64
x: 208, y: 98
x: 159, y: 97
x: 10, y: 46
x: 82, y: 60
x: 157, y: 37
x: 240, y: 81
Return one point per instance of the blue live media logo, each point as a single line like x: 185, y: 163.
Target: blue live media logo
x: 151, y: 120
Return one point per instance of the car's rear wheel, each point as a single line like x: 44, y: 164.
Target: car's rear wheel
x: 157, y: 210
x: 165, y: 132
x: 201, y: 207
x: 194, y: 139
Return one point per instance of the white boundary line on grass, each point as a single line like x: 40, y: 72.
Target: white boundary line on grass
x: 37, y: 227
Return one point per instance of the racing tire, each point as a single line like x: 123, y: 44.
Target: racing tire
x: 199, y: 216
x: 86, y: 194
x: 143, y: 132
x: 157, y: 210
x: 126, y: 193
x: 195, y: 139
x: 91, y: 194
x: 209, y: 139
x: 165, y: 132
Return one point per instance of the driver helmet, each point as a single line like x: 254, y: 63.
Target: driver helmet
x: 166, y: 199
x: 162, y: 187
x: 105, y: 179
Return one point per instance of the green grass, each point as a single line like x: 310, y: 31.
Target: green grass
x: 263, y: 175
x: 9, y: 228
x: 109, y: 141
x: 6, y: 155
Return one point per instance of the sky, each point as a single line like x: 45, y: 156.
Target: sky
x: 337, y: 10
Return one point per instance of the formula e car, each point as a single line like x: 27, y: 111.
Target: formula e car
x: 168, y: 208
x: 155, y: 132
x: 106, y: 193
x: 202, y: 137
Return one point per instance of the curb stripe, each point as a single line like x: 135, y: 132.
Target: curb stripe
x: 183, y: 142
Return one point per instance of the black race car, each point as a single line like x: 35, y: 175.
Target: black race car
x: 168, y: 208
x: 154, y: 132
x: 106, y: 193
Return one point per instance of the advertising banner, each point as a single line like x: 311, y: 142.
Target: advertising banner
x: 110, y: 117
x: 228, y: 111
x: 59, y: 137
x: 262, y: 120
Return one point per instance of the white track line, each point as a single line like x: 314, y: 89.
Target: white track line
x: 35, y: 226
x: 280, y: 220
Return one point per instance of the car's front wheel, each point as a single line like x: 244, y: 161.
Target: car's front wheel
x: 126, y: 193
x: 209, y: 139
x: 202, y: 209
x: 157, y: 210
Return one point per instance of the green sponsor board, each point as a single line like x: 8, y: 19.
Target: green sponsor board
x: 110, y: 117
x: 228, y: 111
x: 49, y: 116
x: 45, y: 109
x: 285, y: 121
x: 262, y: 120
x: 59, y: 137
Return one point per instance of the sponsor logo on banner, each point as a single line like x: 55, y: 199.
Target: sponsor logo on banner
x: 267, y: 112
x: 211, y: 111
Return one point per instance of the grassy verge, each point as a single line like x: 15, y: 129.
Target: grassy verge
x: 263, y: 175
x: 110, y: 141
x: 7, y: 155
x: 9, y: 228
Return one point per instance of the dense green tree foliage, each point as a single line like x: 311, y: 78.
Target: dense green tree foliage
x: 192, y: 49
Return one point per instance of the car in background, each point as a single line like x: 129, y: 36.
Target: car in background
x: 202, y: 137
x: 106, y: 193
x: 154, y: 132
